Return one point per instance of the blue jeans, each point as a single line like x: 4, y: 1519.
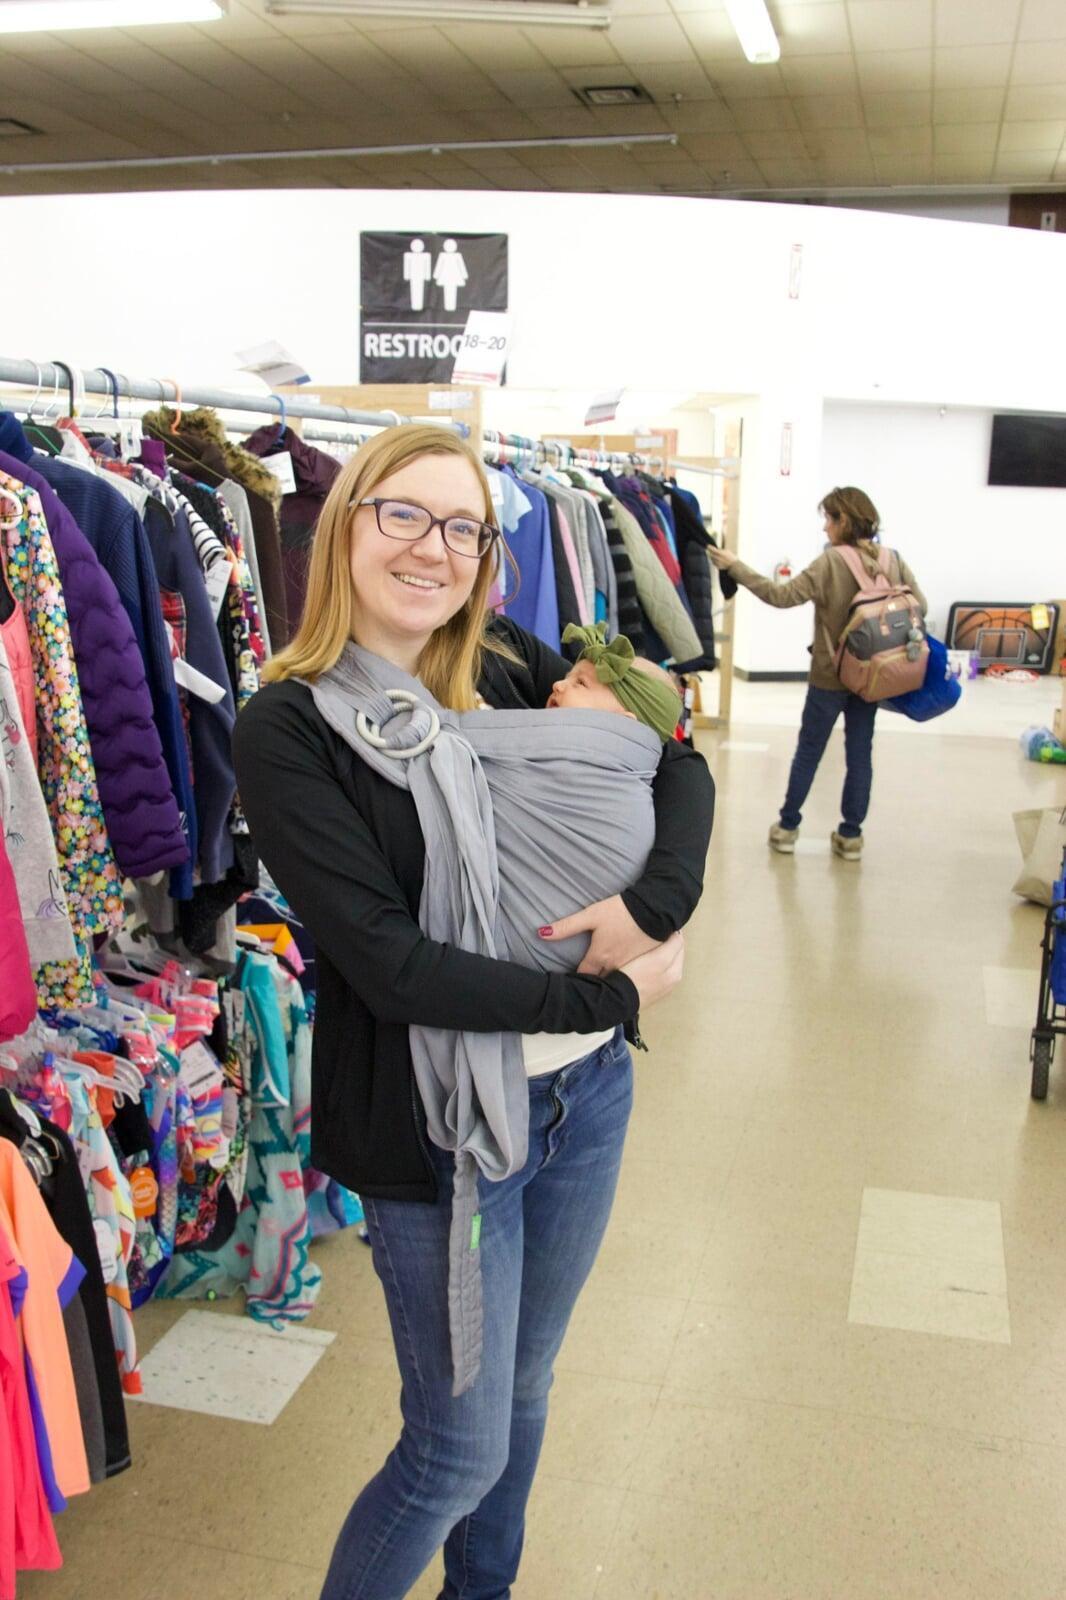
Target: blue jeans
x: 461, y: 1473
x: 820, y: 713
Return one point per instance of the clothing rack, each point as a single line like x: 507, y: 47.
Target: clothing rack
x: 724, y: 467
x: 518, y: 449
x: 50, y: 379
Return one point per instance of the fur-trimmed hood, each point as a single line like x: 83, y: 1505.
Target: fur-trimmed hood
x: 205, y: 426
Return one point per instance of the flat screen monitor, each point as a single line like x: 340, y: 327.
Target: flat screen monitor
x: 1028, y: 452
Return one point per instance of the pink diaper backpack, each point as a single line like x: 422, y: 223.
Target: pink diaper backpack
x: 883, y: 650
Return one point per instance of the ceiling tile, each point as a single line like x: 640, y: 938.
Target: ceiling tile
x: 574, y: 47
x: 750, y: 83
x: 962, y: 22
x: 715, y: 147
x: 756, y: 115
x: 628, y: 119
x: 889, y: 71
x: 1060, y: 170
x: 699, y: 116
x: 737, y: 175
x: 1043, y: 104
x: 685, y: 78
x: 979, y: 66
x: 1025, y: 166
x: 1040, y: 63
x: 640, y: 39
x: 828, y: 111
x: 779, y: 144
x: 968, y: 105
x: 563, y: 122
x: 965, y: 138
x: 839, y: 144
x: 711, y: 35
x: 1031, y: 136
x: 1043, y: 19
x: 494, y: 47
x: 962, y: 168
x: 534, y: 88
x: 898, y: 110
x: 656, y: 155
x: 789, y: 174
x: 819, y: 74
x: 891, y: 24
x: 897, y: 170
x: 901, y: 142
x: 820, y: 29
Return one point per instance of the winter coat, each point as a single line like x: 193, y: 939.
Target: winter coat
x: 315, y: 472
x: 201, y: 448
x: 693, y: 541
x: 658, y: 597
x: 135, y: 790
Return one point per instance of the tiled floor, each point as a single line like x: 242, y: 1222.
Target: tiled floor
x: 823, y: 1353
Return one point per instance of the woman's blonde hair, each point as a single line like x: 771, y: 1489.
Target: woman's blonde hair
x: 451, y: 662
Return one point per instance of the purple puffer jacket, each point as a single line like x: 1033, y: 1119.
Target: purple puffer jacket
x: 138, y: 802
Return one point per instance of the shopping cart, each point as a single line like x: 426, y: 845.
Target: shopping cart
x: 1051, y: 1014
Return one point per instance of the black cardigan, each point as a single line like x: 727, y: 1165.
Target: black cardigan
x: 345, y: 848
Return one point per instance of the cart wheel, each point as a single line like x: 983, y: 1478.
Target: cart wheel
x: 1041, y: 1066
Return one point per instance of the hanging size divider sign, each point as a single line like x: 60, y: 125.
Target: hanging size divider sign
x: 483, y: 350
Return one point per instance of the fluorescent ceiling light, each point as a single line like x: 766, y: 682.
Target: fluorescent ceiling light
x: 751, y: 22
x: 523, y: 13
x: 59, y: 16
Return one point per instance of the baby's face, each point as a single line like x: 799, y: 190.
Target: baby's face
x: 581, y: 690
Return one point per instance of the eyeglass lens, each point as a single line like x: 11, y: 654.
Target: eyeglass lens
x: 464, y: 535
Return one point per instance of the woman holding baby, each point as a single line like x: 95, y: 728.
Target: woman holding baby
x: 455, y: 1088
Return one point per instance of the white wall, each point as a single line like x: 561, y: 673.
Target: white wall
x: 660, y: 294
x: 927, y: 475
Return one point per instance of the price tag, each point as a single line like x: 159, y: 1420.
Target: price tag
x: 281, y: 466
x: 145, y: 1191
x: 105, y: 1249
x: 483, y: 351
x: 450, y: 399
x: 217, y: 584
x: 197, y: 683
x: 604, y: 408
x: 200, y: 1072
x: 1041, y: 617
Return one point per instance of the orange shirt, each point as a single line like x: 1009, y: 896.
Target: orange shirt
x: 51, y: 1266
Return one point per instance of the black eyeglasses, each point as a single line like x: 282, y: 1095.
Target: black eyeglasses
x: 400, y: 519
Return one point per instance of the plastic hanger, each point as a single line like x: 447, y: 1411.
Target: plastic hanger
x: 284, y: 420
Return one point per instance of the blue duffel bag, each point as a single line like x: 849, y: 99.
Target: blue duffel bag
x: 938, y: 693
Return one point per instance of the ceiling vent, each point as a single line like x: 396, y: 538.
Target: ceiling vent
x: 12, y: 128
x: 621, y: 94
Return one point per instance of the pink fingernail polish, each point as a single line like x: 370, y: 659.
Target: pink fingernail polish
x: 545, y: 933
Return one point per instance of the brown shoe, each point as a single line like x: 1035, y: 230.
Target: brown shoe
x: 846, y: 849
x: 783, y: 840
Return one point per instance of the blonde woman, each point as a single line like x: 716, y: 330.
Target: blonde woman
x: 403, y: 561
x: 850, y: 518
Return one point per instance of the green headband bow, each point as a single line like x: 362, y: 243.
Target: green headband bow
x: 651, y: 701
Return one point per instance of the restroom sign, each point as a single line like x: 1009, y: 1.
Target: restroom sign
x: 417, y: 292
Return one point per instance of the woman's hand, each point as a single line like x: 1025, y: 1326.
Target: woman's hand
x: 616, y: 938
x: 723, y: 559
x: 657, y: 973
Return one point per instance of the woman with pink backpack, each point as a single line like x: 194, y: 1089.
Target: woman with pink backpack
x: 869, y: 644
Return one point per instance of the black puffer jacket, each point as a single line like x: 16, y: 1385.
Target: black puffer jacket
x: 693, y: 542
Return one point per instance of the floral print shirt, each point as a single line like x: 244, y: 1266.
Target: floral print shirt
x: 89, y: 876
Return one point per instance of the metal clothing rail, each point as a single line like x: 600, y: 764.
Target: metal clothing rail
x: 727, y: 467
x: 517, y: 448
x: 52, y: 378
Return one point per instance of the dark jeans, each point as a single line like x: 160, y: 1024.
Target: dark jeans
x: 461, y: 1473
x: 820, y: 713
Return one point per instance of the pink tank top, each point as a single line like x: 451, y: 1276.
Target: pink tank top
x: 17, y: 648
